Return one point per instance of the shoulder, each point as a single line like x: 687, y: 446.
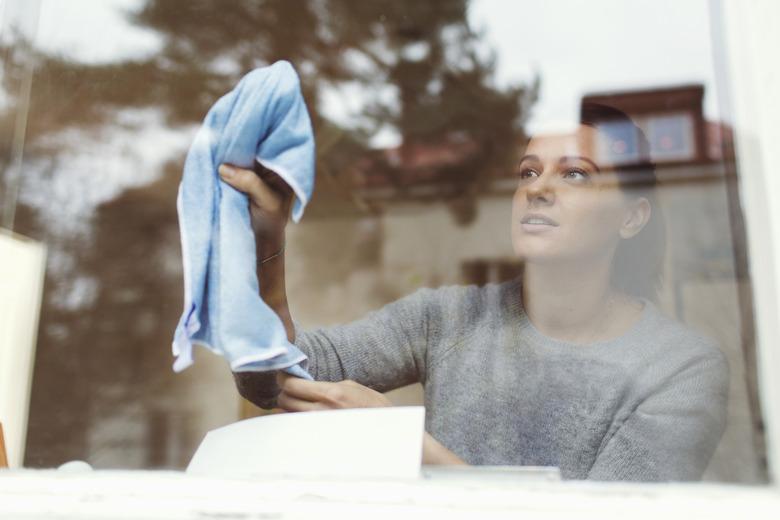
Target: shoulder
x: 459, y: 314
x: 682, y: 351
x: 673, y: 336
x: 464, y: 302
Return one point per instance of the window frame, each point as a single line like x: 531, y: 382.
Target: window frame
x: 749, y: 78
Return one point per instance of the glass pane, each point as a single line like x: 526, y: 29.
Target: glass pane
x: 565, y: 186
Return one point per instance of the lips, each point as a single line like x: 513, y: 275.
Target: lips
x: 535, y: 219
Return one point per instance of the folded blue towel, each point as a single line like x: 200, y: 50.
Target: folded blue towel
x: 265, y: 119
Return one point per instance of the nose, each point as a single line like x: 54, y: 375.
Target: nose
x: 541, y: 191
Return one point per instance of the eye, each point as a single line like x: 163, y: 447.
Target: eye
x: 527, y: 174
x: 576, y: 175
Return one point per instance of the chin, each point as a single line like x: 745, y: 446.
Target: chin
x: 539, y: 258
x: 546, y: 253
x: 536, y: 254
x: 532, y: 249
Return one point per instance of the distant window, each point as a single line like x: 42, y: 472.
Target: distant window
x: 671, y: 137
x: 618, y: 143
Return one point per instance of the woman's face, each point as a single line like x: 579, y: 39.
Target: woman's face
x: 567, y: 206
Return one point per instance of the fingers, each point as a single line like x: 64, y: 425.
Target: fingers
x: 299, y: 395
x: 303, y: 395
x: 293, y: 404
x: 313, y: 391
x: 246, y: 181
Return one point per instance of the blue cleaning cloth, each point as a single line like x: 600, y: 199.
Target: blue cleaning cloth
x: 265, y: 119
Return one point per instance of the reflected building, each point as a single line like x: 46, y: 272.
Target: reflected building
x: 418, y: 242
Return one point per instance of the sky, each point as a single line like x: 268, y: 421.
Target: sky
x: 576, y: 46
x: 579, y: 47
x: 92, y: 30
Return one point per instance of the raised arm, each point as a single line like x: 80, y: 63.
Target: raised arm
x: 270, y: 200
x: 384, y: 350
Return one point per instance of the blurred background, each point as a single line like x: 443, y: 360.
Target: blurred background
x: 419, y: 109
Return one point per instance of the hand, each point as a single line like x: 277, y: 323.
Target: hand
x: 300, y: 395
x: 270, y: 199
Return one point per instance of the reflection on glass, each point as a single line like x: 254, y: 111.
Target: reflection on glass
x: 417, y: 130
x: 571, y: 365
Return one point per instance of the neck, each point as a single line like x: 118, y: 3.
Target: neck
x: 568, y: 301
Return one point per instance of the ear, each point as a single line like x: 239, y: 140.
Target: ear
x: 637, y: 215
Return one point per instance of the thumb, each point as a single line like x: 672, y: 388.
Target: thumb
x: 236, y: 177
x: 246, y: 181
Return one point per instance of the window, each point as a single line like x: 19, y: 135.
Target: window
x: 438, y: 126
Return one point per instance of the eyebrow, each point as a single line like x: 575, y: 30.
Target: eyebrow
x: 562, y: 160
x: 567, y: 158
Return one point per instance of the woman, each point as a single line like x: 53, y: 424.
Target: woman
x: 573, y: 366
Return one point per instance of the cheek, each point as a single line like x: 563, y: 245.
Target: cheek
x: 598, y: 215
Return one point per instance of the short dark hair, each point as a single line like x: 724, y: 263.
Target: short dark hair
x: 638, y: 264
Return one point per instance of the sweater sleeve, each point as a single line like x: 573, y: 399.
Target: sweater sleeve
x: 384, y: 350
x: 673, y: 433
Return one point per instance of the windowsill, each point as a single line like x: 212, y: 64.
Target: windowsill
x: 169, y: 494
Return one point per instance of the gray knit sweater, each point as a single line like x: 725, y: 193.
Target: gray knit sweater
x: 648, y: 406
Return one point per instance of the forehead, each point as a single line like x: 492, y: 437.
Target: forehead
x: 580, y: 143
